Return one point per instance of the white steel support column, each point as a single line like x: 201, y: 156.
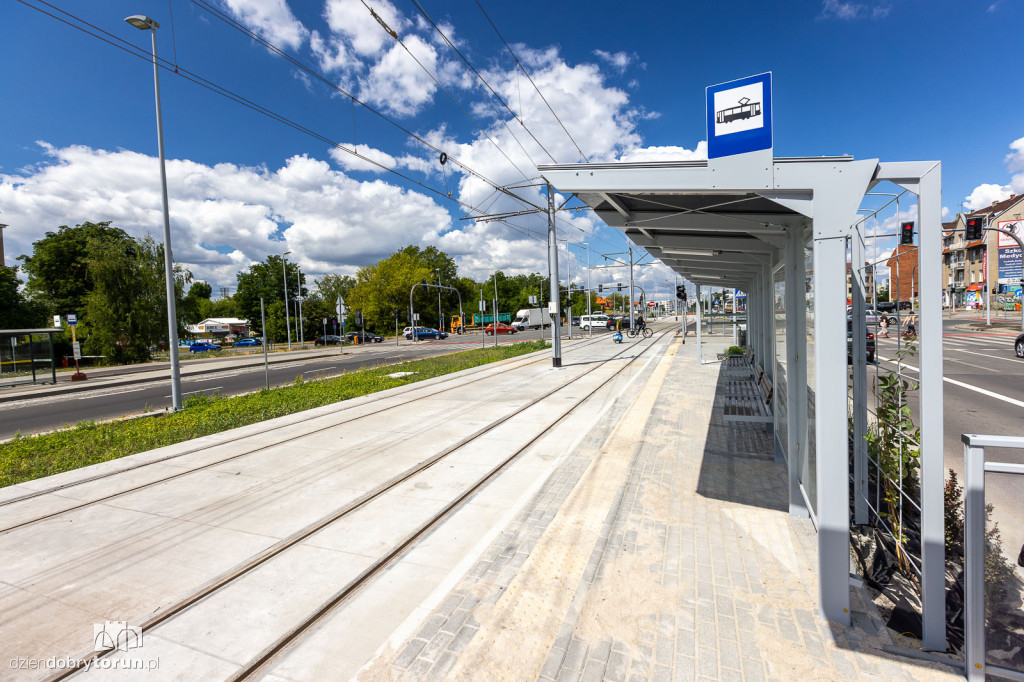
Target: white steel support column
x: 700, y: 348
x: 556, y: 318
x: 859, y: 364
x: 832, y: 481
x: 796, y: 369
x: 929, y: 221
x: 768, y: 320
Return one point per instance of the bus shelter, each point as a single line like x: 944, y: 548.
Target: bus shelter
x: 25, y: 356
x: 784, y: 230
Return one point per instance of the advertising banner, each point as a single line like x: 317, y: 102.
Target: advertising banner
x: 1010, y: 270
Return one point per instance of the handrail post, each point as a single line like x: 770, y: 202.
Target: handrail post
x: 974, y: 559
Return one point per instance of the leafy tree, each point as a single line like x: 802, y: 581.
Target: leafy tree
x: 264, y: 280
x: 191, y: 311
x: 17, y: 312
x: 383, y: 288
x: 58, y: 270
x: 125, y: 311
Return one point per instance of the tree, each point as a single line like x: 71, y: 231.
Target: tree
x: 264, y: 280
x: 191, y: 311
x: 125, y: 311
x: 17, y: 312
x: 58, y: 271
x: 383, y: 289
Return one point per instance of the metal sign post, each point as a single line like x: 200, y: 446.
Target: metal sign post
x: 263, y: 326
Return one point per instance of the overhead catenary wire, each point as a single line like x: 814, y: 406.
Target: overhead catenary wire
x: 525, y: 73
x: 489, y: 88
x: 135, y: 51
x: 230, y: 21
x: 391, y: 32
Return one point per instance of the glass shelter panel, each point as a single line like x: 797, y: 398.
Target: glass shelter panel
x: 809, y: 470
x: 781, y: 405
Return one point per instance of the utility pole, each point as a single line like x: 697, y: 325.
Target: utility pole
x: 284, y: 278
x: 440, y: 320
x: 632, y: 315
x: 568, y: 289
x: 590, y: 327
x: 494, y: 319
x: 556, y: 332
x: 298, y: 320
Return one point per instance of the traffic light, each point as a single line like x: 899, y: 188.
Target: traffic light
x: 620, y: 286
x: 974, y: 228
x: 907, y: 233
x: 359, y: 319
x: 680, y: 292
x: 600, y: 288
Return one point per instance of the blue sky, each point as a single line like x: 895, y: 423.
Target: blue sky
x: 900, y: 80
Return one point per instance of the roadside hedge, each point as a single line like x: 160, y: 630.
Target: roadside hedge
x: 29, y: 457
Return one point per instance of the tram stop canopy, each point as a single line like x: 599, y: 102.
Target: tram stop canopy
x: 784, y: 231
x: 24, y: 356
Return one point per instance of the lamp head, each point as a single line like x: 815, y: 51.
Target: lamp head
x: 142, y: 22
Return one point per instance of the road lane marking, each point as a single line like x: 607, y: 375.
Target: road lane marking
x: 986, y: 355
x: 991, y: 394
x: 105, y: 395
x: 969, y: 364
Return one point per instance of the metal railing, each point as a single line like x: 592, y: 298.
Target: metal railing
x: 975, y: 546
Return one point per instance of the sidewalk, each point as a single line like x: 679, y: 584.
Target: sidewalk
x: 663, y: 552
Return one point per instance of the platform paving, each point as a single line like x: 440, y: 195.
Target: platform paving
x: 644, y: 537
x: 661, y: 551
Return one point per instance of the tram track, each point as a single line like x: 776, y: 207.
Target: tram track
x: 292, y: 636
x: 398, y: 393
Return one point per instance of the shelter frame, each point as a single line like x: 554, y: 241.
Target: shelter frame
x: 732, y: 224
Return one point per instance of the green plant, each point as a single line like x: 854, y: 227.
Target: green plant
x: 734, y: 350
x: 893, y: 444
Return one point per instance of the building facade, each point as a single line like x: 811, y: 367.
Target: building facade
x: 971, y: 268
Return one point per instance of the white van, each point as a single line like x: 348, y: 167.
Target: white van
x: 588, y: 321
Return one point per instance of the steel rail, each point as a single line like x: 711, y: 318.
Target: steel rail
x: 229, y: 458
x: 284, y: 544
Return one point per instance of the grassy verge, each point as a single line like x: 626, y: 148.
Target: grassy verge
x: 27, y: 458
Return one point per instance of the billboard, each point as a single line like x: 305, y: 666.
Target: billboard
x: 1010, y: 257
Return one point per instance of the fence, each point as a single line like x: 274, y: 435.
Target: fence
x: 976, y: 547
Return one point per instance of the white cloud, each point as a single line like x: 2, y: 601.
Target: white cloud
x: 350, y: 21
x: 618, y: 60
x: 837, y: 9
x: 985, y: 194
x: 222, y: 217
x: 397, y: 83
x: 272, y: 19
x: 667, y: 153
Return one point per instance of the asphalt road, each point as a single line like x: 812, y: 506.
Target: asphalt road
x: 983, y: 393
x: 45, y: 414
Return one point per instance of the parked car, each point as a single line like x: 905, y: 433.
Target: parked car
x: 575, y: 320
x: 426, y: 333
x: 612, y: 321
x: 500, y: 328
x: 596, y: 320
x: 1018, y: 346
x: 202, y: 347
x: 242, y: 343
x: 407, y: 331
x: 329, y: 340
x: 364, y: 337
x: 869, y: 343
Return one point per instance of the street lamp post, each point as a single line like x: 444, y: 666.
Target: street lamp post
x: 284, y: 278
x: 440, y: 321
x: 146, y: 24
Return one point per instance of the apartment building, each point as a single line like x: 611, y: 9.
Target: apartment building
x: 968, y: 268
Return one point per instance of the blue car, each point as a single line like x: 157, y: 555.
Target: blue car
x: 202, y: 347
x: 242, y: 343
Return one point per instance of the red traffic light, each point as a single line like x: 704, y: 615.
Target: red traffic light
x: 907, y: 233
x: 974, y: 229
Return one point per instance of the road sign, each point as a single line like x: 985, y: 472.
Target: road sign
x: 77, y: 349
x: 56, y: 321
x: 339, y: 306
x: 72, y: 319
x: 739, y: 116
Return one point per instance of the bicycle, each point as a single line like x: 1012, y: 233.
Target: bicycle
x: 646, y: 331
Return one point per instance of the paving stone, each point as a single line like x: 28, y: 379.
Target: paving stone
x: 409, y: 653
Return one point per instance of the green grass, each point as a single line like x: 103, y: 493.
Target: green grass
x: 31, y: 457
